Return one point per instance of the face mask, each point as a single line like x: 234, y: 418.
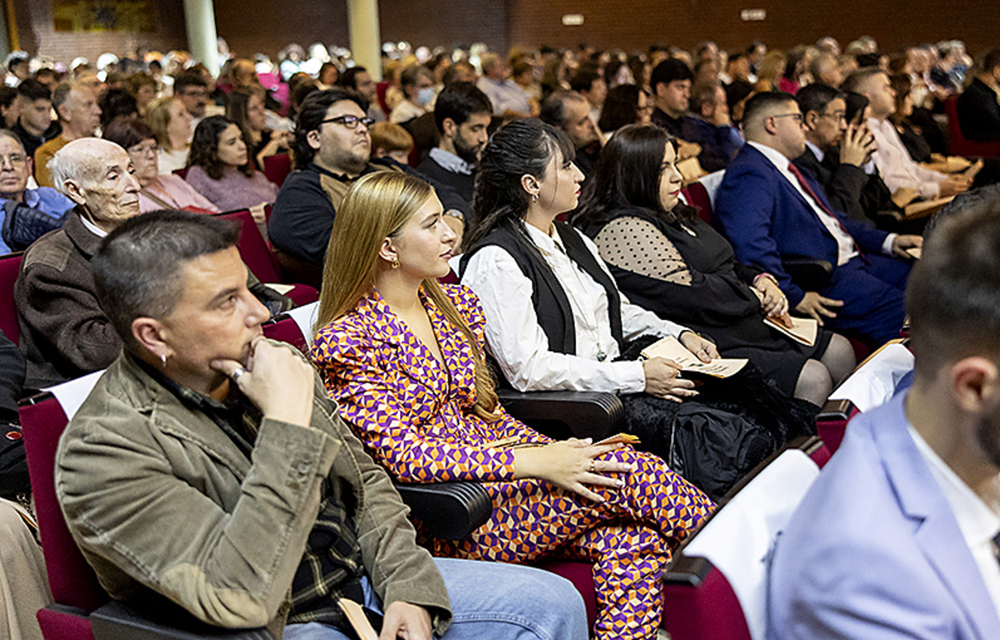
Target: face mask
x: 425, y: 96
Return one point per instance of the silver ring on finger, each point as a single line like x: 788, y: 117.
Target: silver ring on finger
x: 593, y: 466
x: 237, y: 373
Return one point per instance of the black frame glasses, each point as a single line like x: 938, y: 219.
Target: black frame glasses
x: 351, y: 122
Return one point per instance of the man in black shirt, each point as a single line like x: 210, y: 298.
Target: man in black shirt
x: 978, y: 107
x: 462, y: 114
x: 35, y: 126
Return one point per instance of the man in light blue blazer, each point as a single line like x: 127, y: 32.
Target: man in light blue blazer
x: 894, y: 540
x: 771, y: 211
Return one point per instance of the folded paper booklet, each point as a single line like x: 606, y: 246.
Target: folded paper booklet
x: 925, y: 208
x: 359, y: 621
x: 671, y: 349
x: 280, y: 288
x: 803, y: 330
x: 914, y: 252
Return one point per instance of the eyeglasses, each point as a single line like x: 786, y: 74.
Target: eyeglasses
x: 836, y: 115
x: 15, y: 160
x: 797, y: 117
x: 351, y: 122
x: 140, y: 149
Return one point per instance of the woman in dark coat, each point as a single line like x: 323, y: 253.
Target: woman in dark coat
x: 667, y: 260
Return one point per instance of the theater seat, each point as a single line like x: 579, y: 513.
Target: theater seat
x: 958, y: 144
x: 261, y: 261
x: 715, y: 587
x: 872, y: 383
x: 10, y: 266
x: 82, y: 609
x: 277, y: 168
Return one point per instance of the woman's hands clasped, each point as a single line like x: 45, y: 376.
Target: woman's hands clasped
x: 571, y: 465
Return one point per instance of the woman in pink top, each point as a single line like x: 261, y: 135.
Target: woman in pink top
x: 158, y: 192
x: 219, y: 168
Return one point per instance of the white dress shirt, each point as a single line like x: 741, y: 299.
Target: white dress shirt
x: 978, y: 523
x: 520, y: 345
x: 846, y: 247
x: 897, y: 167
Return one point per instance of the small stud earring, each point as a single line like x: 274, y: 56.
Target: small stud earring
x: 163, y: 359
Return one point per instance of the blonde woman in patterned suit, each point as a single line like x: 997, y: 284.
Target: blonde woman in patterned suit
x: 403, y: 357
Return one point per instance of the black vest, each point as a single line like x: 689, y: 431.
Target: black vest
x: 552, y: 307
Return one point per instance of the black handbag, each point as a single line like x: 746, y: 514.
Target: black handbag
x: 13, y: 462
x: 22, y: 224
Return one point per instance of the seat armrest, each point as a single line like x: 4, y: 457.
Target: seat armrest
x: 582, y: 414
x: 808, y: 273
x: 836, y: 410
x: 118, y: 621
x: 448, y: 510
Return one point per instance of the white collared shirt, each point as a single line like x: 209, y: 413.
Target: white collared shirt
x: 450, y: 162
x: 520, y: 345
x: 897, y: 167
x: 978, y: 523
x: 93, y: 228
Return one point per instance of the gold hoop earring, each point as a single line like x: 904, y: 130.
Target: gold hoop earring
x: 395, y: 262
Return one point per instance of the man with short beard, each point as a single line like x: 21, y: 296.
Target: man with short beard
x: 332, y: 148
x: 895, y: 539
x: 462, y: 115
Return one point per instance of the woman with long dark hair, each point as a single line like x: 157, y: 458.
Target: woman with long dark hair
x: 219, y: 168
x: 555, y: 320
x: 403, y: 356
x: 667, y: 260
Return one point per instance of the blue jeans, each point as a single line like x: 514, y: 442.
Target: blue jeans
x: 491, y: 600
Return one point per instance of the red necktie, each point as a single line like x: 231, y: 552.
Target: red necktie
x: 812, y: 194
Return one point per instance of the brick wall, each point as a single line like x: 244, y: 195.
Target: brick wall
x: 635, y: 24
x: 265, y: 25
x: 36, y: 33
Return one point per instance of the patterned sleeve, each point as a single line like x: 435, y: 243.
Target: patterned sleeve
x: 368, y: 402
x: 467, y: 304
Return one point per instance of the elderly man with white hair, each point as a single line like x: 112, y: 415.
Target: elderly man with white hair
x: 64, y: 332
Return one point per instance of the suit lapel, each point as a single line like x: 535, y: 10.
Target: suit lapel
x: 936, y: 531
x: 410, y: 353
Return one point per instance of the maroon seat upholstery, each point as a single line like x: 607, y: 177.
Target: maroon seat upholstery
x: 277, y: 168
x: 959, y: 145
x: 697, y: 196
x: 699, y: 601
x: 261, y: 261
x: 284, y: 329
x: 71, y: 579
x: 10, y: 266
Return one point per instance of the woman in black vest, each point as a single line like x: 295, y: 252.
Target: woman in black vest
x: 667, y: 260
x: 555, y: 320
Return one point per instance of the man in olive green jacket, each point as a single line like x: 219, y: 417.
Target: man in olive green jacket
x: 208, y: 466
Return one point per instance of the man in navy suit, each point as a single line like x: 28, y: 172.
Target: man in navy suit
x: 771, y: 211
x: 895, y: 539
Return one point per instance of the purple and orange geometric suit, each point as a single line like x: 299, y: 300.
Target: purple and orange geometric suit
x: 415, y: 416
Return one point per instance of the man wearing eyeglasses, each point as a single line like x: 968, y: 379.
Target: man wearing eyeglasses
x: 772, y: 212
x: 839, y: 156
x: 25, y: 214
x: 332, y: 150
